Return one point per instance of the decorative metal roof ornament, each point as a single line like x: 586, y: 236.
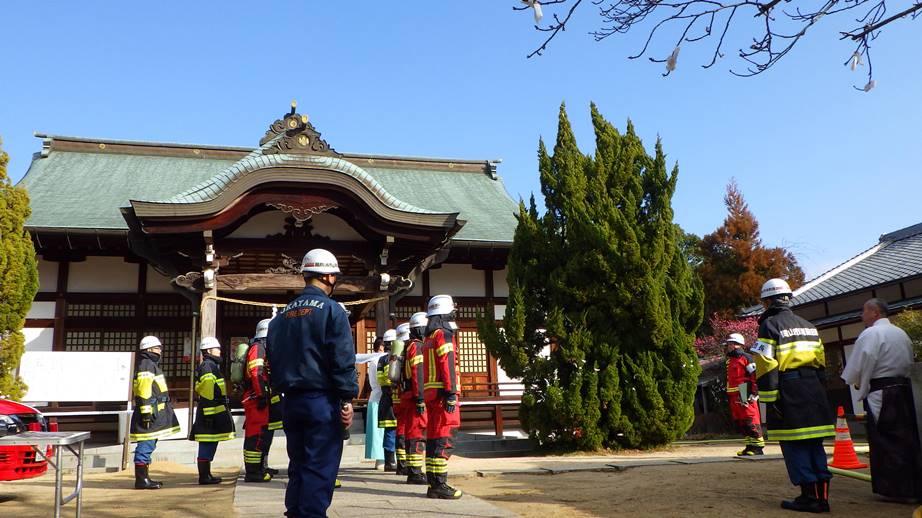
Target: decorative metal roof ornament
x: 294, y: 134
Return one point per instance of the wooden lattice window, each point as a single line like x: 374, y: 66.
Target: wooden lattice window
x: 105, y: 341
x: 405, y: 312
x: 470, y: 311
x: 472, y: 354
x: 231, y: 309
x: 101, y: 310
x: 369, y: 341
x: 82, y: 340
x: 169, y: 310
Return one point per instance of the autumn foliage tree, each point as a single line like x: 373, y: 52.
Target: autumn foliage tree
x: 603, y: 305
x: 735, y: 263
x: 18, y: 279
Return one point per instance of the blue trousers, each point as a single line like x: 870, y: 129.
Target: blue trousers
x: 805, y: 460
x: 315, y: 447
x: 143, y: 451
x: 390, y: 440
x: 206, y: 450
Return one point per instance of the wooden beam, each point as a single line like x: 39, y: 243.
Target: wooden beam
x: 279, y: 281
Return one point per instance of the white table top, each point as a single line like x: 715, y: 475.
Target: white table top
x: 44, y: 438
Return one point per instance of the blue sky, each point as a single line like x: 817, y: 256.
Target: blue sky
x: 825, y: 169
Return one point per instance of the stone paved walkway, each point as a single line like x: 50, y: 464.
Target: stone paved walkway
x: 365, y: 493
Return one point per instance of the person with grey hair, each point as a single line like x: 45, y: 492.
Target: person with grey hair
x: 878, y: 369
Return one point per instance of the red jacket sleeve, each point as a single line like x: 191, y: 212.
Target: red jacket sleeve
x: 445, y: 355
x: 256, y: 369
x: 414, y: 359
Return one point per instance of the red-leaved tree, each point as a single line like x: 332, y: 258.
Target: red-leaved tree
x: 712, y: 345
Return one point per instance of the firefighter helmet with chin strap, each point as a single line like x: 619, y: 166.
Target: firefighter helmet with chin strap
x: 262, y: 328
x: 440, y: 305
x: 403, y: 332
x: 209, y: 342
x: 735, y: 338
x: 149, y: 342
x: 774, y: 288
x: 419, y: 319
x: 320, y: 262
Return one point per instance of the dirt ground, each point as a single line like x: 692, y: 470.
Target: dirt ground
x: 699, y: 490
x: 111, y: 495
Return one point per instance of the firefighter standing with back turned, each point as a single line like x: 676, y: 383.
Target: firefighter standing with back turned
x: 412, y: 417
x: 213, y: 421
x: 262, y: 410
x: 153, y: 417
x: 387, y: 419
x: 744, y: 407
x: 442, y: 388
x: 791, y: 371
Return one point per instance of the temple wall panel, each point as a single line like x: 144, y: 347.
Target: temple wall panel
x: 41, y: 310
x: 457, y: 280
x: 47, y: 275
x: 39, y: 338
x: 500, y: 287
x: 103, y: 275
x: 157, y: 283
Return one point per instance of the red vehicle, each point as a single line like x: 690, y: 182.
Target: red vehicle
x: 19, y: 462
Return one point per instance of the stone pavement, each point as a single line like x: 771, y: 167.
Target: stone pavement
x: 365, y: 493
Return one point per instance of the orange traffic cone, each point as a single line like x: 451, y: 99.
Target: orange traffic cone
x: 843, y: 456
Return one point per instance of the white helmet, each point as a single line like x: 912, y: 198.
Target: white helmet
x: 775, y: 287
x: 735, y: 338
x: 149, y: 342
x: 419, y: 319
x: 209, y: 342
x: 390, y: 335
x: 403, y: 332
x: 440, y: 305
x: 262, y: 328
x: 319, y: 261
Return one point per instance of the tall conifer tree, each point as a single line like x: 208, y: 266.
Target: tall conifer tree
x: 603, y: 305
x: 18, y: 279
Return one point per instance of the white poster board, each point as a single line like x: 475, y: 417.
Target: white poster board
x: 77, y: 376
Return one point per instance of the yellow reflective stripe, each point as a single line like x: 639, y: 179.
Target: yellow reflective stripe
x: 416, y: 360
x: 767, y: 340
x: 143, y: 385
x: 387, y: 424
x: 160, y: 380
x: 146, y: 409
x: 221, y: 385
x: 276, y: 399
x: 444, y: 349
x: 383, y: 379
x: 434, y: 384
x: 768, y: 396
x: 733, y: 389
x: 213, y: 437
x: 204, y: 387
x: 135, y: 437
x: 275, y: 425
x: 212, y: 410
x: 797, y: 434
x: 161, y: 406
x: 799, y: 345
x: 258, y: 362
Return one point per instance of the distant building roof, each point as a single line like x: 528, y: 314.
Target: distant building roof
x: 896, y: 256
x: 79, y: 183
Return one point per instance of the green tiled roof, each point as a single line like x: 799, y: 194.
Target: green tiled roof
x: 84, y: 190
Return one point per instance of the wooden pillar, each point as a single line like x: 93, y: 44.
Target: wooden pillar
x: 382, y: 318
x: 60, y: 306
x: 209, y: 317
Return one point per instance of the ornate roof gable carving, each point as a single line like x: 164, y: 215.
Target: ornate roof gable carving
x: 294, y: 134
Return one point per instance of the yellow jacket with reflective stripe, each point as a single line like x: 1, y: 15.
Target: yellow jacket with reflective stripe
x: 213, y: 420
x: 153, y: 416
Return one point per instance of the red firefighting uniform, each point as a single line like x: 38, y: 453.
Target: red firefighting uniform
x: 441, y: 382
x: 260, y: 423
x: 742, y: 370
x: 410, y: 424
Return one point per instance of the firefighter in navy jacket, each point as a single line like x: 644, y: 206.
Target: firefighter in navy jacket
x: 312, y: 355
x: 791, y: 373
x: 153, y: 417
x: 213, y: 421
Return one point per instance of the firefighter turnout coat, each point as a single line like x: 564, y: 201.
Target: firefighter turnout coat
x: 256, y: 383
x: 153, y: 416
x: 411, y: 389
x: 791, y: 374
x: 213, y: 420
x: 741, y: 370
x: 387, y: 417
x: 441, y: 381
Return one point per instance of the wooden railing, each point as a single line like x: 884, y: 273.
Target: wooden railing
x: 484, y: 403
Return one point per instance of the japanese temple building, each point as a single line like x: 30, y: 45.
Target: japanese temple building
x: 132, y: 235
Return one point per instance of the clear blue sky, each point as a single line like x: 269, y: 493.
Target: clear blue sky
x: 826, y: 169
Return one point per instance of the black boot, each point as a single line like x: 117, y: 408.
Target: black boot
x: 390, y: 461
x: 417, y: 479
x: 266, y: 468
x: 204, y: 474
x: 255, y: 473
x: 142, y: 480
x: 402, y: 467
x: 439, y: 488
x: 806, y: 502
x: 822, y: 494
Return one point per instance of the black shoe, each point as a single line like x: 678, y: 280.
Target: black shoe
x: 417, y: 479
x: 266, y: 468
x: 204, y: 474
x: 806, y: 502
x: 255, y: 473
x: 390, y: 461
x: 142, y: 480
x: 443, y: 491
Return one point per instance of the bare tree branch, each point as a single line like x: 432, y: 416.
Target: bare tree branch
x: 695, y: 21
